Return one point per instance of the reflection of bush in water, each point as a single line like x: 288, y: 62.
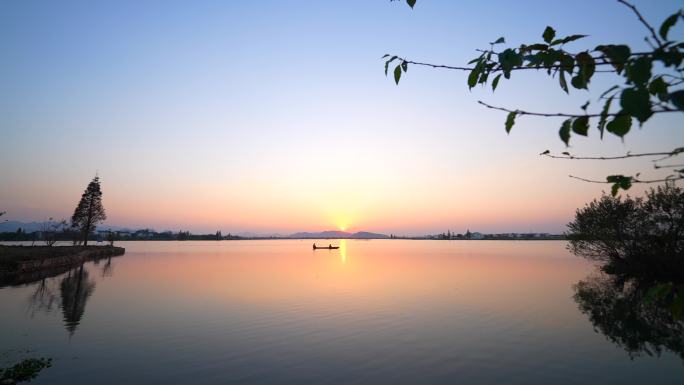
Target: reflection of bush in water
x: 637, y: 300
x: 640, y: 317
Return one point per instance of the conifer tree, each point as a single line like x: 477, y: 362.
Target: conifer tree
x: 89, y: 211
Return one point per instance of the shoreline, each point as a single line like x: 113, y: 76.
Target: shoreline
x: 20, y: 260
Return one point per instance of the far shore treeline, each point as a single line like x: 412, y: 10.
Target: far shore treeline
x: 90, y: 213
x: 40, y: 237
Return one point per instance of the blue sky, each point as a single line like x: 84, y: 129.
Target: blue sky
x: 276, y: 115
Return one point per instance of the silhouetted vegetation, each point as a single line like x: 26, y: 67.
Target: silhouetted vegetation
x: 111, y: 237
x: 51, y: 230
x: 89, y: 211
x: 22, y: 259
x: 637, y: 299
x: 651, y: 84
x: 476, y: 236
x: 75, y: 237
x: 640, y: 316
x: 26, y: 370
x: 638, y: 237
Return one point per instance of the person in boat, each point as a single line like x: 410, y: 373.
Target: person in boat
x: 314, y: 245
x: 329, y: 246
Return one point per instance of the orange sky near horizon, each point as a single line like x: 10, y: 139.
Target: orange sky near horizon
x: 229, y: 116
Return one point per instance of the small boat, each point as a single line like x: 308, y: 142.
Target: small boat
x: 326, y: 247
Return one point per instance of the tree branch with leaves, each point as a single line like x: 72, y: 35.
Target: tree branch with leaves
x: 651, y: 84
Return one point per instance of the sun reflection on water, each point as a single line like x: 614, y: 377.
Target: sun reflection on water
x: 343, y: 250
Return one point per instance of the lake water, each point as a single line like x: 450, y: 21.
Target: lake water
x: 277, y: 312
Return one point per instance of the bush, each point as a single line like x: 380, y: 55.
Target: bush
x: 633, y: 236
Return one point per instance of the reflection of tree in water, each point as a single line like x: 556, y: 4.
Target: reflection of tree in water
x: 640, y: 317
x: 108, y: 269
x: 75, y: 288
x: 637, y: 301
x: 71, y: 284
x: 43, y: 298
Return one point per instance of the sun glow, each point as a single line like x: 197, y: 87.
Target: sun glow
x: 342, y: 228
x: 343, y: 250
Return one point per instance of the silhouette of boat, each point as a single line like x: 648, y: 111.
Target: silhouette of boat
x: 326, y: 247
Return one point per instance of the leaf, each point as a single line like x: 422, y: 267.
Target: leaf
x: 658, y: 87
x: 537, y: 47
x: 587, y: 67
x: 604, y: 115
x: 671, y: 57
x: 404, y: 66
x: 564, y: 132
x: 474, y: 75
x: 608, y: 90
x: 387, y: 63
x: 667, y: 24
x: 499, y: 40
x: 578, y: 82
x: 495, y: 82
x: 397, y: 74
x: 563, y: 82
x: 549, y: 34
x: 411, y: 3
x: 510, y: 121
x: 581, y: 125
x: 617, y: 55
x: 550, y: 59
x: 567, y: 62
x: 534, y: 60
x: 509, y: 59
x: 639, y: 71
x: 614, y: 189
x: 637, y: 103
x: 677, y: 98
x: 620, y: 124
x: 567, y: 39
x: 619, y: 182
x: 483, y: 77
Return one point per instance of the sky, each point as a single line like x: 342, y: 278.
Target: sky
x: 276, y: 116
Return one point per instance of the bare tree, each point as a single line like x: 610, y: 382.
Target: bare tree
x: 51, y: 230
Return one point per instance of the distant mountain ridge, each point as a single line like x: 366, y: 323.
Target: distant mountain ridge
x: 29, y: 227
x: 333, y: 234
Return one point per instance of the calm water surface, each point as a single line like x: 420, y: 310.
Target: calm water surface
x: 276, y: 312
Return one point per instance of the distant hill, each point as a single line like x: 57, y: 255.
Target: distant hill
x: 249, y: 234
x: 338, y: 235
x: 367, y: 235
x: 11, y: 226
x: 29, y: 227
